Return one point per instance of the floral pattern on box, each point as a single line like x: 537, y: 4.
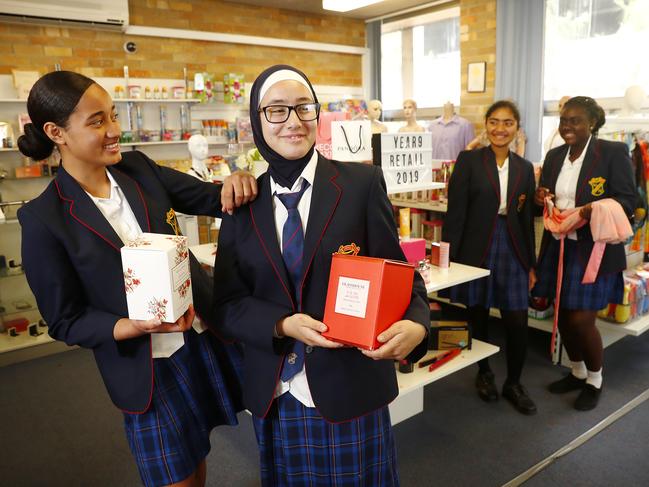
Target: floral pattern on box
x: 158, y: 308
x: 182, y: 290
x: 138, y: 242
x: 181, y: 248
x: 130, y: 281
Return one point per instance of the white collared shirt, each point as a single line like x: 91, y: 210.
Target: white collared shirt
x: 566, y: 187
x: 298, y: 385
x: 117, y: 210
x: 503, y: 177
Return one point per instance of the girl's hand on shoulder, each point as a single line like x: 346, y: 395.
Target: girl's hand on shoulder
x: 127, y: 328
x: 398, y: 341
x: 238, y: 189
x: 305, y: 329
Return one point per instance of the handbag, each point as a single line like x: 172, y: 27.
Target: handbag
x: 351, y: 140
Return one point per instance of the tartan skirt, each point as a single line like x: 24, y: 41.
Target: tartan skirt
x: 575, y: 295
x: 506, y: 287
x: 196, y: 389
x: 298, y: 447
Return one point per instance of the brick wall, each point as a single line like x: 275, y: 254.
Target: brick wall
x: 477, y: 44
x: 99, y: 53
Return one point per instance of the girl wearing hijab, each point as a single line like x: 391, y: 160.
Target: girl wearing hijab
x: 319, y: 408
x: 172, y: 389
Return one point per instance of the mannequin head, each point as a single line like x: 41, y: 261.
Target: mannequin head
x: 198, y: 147
x: 374, y: 108
x: 634, y: 98
x: 448, y: 110
x: 562, y: 102
x: 410, y: 110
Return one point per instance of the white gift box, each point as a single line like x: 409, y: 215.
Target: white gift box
x: 156, y: 277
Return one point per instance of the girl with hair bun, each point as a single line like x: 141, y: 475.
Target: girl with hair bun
x: 71, y: 239
x: 583, y: 170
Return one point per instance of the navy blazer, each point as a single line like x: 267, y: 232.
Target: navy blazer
x: 473, y: 202
x: 71, y: 256
x: 349, y: 204
x: 606, y: 173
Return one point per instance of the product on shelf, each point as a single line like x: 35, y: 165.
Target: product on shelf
x: 233, y: 88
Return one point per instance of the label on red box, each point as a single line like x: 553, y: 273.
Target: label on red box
x: 351, y: 297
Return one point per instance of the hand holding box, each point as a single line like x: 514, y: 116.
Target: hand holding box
x: 156, y: 277
x: 365, y: 296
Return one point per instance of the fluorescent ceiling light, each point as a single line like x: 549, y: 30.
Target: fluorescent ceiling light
x: 346, y: 5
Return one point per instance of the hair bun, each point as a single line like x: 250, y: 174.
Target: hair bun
x: 34, y: 143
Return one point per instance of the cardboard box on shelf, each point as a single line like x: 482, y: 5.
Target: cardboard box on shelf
x: 365, y: 296
x: 156, y: 277
x: 445, y: 335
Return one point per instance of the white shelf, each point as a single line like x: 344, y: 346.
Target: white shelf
x: 160, y: 101
x: 421, y: 377
x: 420, y: 205
x: 12, y: 100
x: 12, y: 149
x: 410, y: 400
x: 634, y: 327
x: 204, y: 253
x: 10, y: 309
x: 437, y: 279
x: 23, y: 340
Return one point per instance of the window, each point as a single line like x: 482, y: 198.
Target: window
x: 420, y: 59
x: 594, y: 47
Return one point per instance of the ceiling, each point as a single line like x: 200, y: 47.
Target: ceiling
x: 315, y: 6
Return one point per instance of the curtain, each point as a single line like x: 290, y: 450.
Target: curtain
x: 519, y: 64
x: 373, y: 35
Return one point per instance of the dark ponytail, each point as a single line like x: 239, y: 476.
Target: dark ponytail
x: 53, y: 98
x: 594, y: 111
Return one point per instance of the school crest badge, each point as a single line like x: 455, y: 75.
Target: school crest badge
x: 597, y: 186
x: 349, y: 249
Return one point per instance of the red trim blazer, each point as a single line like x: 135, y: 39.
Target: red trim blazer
x: 252, y: 292
x: 71, y: 256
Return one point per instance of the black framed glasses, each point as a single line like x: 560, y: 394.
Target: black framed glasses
x: 280, y: 113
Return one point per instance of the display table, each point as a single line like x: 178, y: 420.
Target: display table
x: 410, y: 400
x: 204, y: 253
x: 437, y: 279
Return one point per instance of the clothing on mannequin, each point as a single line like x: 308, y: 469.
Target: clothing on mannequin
x: 451, y: 133
x: 410, y: 114
x: 374, y: 109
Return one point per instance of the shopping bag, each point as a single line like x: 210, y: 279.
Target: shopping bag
x: 351, y: 140
x: 323, y: 134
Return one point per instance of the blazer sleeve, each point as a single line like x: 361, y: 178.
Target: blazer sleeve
x: 188, y: 194
x: 458, y: 203
x: 383, y: 242
x: 239, y: 314
x: 59, y: 293
x: 622, y: 184
x: 544, y: 179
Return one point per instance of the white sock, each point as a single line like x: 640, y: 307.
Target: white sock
x: 579, y: 369
x: 595, y: 378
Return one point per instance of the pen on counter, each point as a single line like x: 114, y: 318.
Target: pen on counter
x: 440, y: 359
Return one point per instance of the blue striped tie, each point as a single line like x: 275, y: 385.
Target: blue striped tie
x: 292, y: 250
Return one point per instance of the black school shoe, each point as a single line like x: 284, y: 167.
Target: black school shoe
x: 486, y: 386
x: 588, y: 398
x: 567, y: 384
x: 520, y: 399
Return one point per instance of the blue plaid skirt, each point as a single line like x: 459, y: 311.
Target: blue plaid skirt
x: 507, y: 285
x: 298, y: 447
x: 196, y: 389
x: 574, y: 294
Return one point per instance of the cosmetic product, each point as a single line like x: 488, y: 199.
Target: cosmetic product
x: 406, y: 367
x: 163, y: 121
x: 125, y: 75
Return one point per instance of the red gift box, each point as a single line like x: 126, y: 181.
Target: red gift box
x: 365, y: 296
